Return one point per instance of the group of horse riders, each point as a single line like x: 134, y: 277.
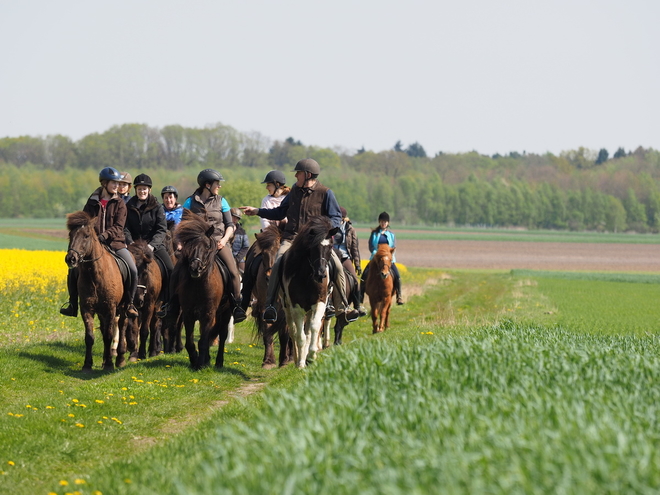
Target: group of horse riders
x: 122, y: 219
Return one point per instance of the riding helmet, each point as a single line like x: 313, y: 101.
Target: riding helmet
x: 308, y: 165
x: 109, y: 173
x: 143, y: 180
x: 384, y: 216
x: 236, y: 212
x: 344, y: 213
x: 126, y: 178
x: 275, y: 176
x: 208, y: 175
x: 169, y: 189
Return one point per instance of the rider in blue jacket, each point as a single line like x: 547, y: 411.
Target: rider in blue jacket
x: 383, y: 235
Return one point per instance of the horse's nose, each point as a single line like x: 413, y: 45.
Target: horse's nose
x: 384, y: 275
x: 71, y: 260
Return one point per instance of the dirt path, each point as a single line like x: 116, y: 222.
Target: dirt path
x: 529, y: 255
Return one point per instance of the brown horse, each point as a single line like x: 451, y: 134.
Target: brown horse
x: 100, y: 287
x: 264, y: 251
x: 199, y: 290
x: 380, y: 287
x: 150, y: 283
x: 305, y: 279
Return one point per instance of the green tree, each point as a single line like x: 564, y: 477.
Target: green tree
x: 603, y: 155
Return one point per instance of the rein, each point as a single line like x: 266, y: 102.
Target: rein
x: 82, y: 258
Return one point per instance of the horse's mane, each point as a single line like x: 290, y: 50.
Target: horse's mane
x: 269, y: 238
x: 78, y: 219
x: 383, y: 250
x: 141, y: 252
x: 191, y: 227
x: 312, y: 233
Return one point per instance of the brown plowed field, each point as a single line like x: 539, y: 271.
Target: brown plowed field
x: 529, y: 255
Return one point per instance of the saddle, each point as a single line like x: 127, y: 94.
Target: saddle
x: 226, y: 276
x: 123, y: 267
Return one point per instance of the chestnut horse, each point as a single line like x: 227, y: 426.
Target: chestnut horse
x: 100, y: 287
x: 264, y: 251
x: 150, y: 283
x: 305, y: 279
x: 380, y: 287
x: 200, y: 290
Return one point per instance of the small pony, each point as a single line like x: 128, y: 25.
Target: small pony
x: 305, y: 279
x: 200, y: 290
x: 100, y: 288
x: 380, y: 287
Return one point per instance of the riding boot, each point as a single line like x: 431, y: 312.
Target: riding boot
x: 357, y: 303
x: 70, y: 308
x: 270, y: 312
x: 397, y: 288
x: 238, y: 312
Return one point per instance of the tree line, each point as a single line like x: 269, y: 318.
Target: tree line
x: 578, y: 189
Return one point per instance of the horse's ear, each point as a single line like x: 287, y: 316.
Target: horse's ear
x: 210, y: 231
x: 392, y: 250
x: 332, y: 232
x: 186, y: 214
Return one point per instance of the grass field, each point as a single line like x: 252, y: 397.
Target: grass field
x: 487, y: 382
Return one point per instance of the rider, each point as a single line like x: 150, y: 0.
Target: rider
x: 348, y: 249
x: 206, y: 201
x: 383, y: 235
x: 241, y: 242
x: 146, y: 220
x: 124, y: 189
x: 275, y: 181
x: 173, y: 210
x: 107, y: 207
x: 308, y: 198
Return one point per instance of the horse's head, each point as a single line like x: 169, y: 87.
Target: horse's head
x: 315, y: 238
x: 198, y: 246
x: 383, y: 259
x: 82, y: 238
x: 268, y: 243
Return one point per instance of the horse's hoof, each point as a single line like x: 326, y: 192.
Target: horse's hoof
x: 120, y: 363
x: 268, y: 366
x: 133, y: 359
x: 113, y: 353
x: 86, y: 369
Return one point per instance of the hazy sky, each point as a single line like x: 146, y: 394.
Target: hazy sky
x: 485, y: 75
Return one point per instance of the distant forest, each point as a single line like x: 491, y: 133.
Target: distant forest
x: 578, y: 189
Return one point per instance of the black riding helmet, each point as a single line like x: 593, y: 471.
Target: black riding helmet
x: 169, y: 189
x: 384, y: 216
x: 308, y: 165
x: 143, y: 180
x: 276, y: 177
x: 109, y: 173
x: 207, y: 176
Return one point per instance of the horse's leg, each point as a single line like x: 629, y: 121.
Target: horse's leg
x: 388, y: 307
x: 144, y: 334
x: 286, y: 345
x: 268, y: 333
x: 326, y: 333
x: 315, y: 324
x: 230, y: 331
x: 120, y: 360
x: 88, y: 321
x: 132, y: 338
x: 189, y: 323
x: 339, y: 328
x: 156, y: 338
x: 206, y: 336
x: 296, y: 321
x: 108, y: 333
x: 178, y: 327
x: 223, y: 332
x: 374, y: 317
x: 115, y: 340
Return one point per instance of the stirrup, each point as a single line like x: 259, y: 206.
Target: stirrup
x: 330, y: 311
x: 239, y: 314
x: 270, y: 315
x: 362, y: 311
x: 69, y: 309
x: 351, y: 314
x: 399, y: 301
x: 162, y: 312
x: 132, y: 311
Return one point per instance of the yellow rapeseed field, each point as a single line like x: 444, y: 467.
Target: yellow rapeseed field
x: 35, y: 271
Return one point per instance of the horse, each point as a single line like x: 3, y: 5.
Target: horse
x: 100, y: 288
x: 264, y: 251
x: 200, y: 290
x: 150, y: 283
x: 305, y: 280
x: 379, y: 286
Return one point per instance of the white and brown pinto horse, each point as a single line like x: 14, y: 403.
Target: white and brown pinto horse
x: 305, y: 279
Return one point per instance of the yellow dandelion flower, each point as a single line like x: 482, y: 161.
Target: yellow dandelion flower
x: 75, y: 400
x: 80, y: 482
x: 132, y: 403
x: 71, y: 415
x: 80, y: 425
x: 50, y: 407
x: 64, y: 483
x: 99, y: 401
x: 100, y: 422
x: 124, y: 388
x: 127, y: 481
x: 11, y: 463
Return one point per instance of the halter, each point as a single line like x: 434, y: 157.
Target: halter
x: 203, y: 264
x: 82, y: 256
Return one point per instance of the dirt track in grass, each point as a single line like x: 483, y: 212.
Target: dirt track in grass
x: 528, y: 255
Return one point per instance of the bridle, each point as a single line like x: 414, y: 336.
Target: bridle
x: 81, y: 257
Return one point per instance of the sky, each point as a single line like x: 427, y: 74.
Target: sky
x: 492, y: 76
